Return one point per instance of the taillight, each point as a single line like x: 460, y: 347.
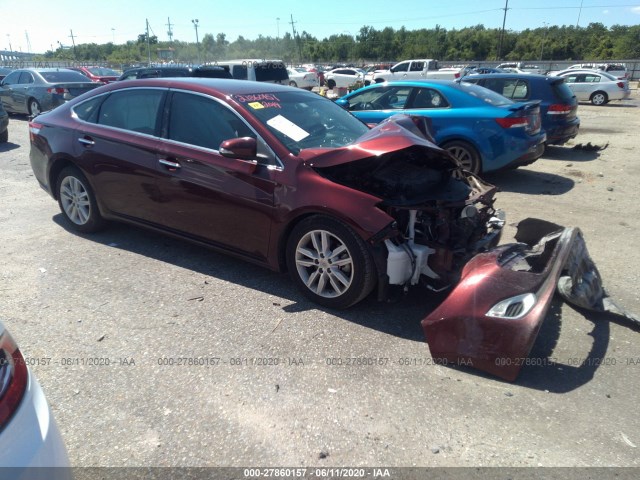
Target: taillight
x: 620, y: 84
x: 13, y: 378
x: 34, y: 129
x: 513, y: 122
x: 559, y: 109
x: 456, y: 75
x: 57, y: 90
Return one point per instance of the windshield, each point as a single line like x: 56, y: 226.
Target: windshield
x: 303, y: 120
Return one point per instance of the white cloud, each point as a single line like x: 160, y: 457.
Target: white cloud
x: 605, y: 12
x: 636, y: 10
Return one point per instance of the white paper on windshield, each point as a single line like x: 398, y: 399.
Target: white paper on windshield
x: 290, y: 129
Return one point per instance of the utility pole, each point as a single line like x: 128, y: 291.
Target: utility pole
x: 195, y: 25
x: 504, y: 21
x: 73, y: 41
x: 546, y: 25
x: 579, y: 13
x: 170, y: 32
x: 10, y: 47
x: 26, y: 34
x: 148, y: 45
x: 297, y: 39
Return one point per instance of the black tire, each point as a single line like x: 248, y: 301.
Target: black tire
x: 4, y: 136
x: 465, y: 153
x: 331, y: 84
x: 292, y: 83
x: 77, y: 201
x: 599, y: 98
x: 329, y: 262
x: 34, y: 107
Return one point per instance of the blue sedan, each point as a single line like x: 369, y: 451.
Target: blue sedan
x: 483, y: 130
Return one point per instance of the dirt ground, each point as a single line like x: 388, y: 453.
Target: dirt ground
x: 139, y: 301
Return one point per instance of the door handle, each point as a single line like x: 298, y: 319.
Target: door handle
x: 86, y: 141
x: 169, y: 164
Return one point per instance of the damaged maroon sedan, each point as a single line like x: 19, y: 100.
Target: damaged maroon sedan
x: 287, y: 179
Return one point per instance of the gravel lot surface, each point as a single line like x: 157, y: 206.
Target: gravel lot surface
x: 116, y: 312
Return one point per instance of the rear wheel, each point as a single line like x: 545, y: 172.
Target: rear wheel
x: 599, y: 98
x: 77, y: 201
x: 34, y: 107
x: 292, y: 83
x: 465, y: 153
x: 329, y: 262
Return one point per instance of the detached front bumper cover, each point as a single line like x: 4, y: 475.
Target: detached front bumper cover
x: 491, y: 319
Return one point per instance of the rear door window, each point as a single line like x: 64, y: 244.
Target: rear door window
x: 136, y: 110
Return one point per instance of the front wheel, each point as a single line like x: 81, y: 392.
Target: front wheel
x: 292, y: 83
x: 465, y: 153
x: 599, y: 98
x: 77, y: 201
x: 329, y: 262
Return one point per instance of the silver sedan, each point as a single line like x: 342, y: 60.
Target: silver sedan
x: 31, y: 91
x: 596, y: 87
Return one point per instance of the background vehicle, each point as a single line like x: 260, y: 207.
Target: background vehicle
x: 204, y: 71
x: 521, y: 67
x: 271, y: 71
x: 415, y: 70
x: 4, y: 71
x: 596, y: 87
x: 484, y: 131
x: 618, y: 70
x: 4, y: 124
x: 558, y: 104
x: 98, y: 74
x: 32, y: 91
x: 343, y: 77
x: 29, y: 436
x: 302, y: 78
x: 311, y: 184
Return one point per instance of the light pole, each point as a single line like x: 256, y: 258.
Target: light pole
x: 10, y: 47
x: 195, y: 25
x: 546, y: 30
x: 113, y: 33
x: 278, y: 28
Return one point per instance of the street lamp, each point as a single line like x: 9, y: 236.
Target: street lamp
x: 195, y: 25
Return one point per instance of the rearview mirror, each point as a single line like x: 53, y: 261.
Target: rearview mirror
x: 344, y: 103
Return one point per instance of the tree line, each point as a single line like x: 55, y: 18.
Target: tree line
x: 476, y: 43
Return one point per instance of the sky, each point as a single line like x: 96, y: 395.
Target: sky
x: 46, y: 25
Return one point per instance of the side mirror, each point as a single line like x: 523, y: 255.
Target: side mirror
x: 343, y: 102
x: 244, y: 148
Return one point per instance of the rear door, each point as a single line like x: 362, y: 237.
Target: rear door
x: 118, y: 145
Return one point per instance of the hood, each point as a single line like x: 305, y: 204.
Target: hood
x: 396, y: 133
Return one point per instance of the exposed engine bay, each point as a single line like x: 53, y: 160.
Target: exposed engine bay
x: 444, y: 215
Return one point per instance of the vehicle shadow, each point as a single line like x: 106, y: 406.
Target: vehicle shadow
x: 397, y: 318
x: 8, y: 146
x: 400, y: 318
x: 530, y: 182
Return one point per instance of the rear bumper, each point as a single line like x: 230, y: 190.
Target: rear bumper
x: 491, y: 319
x: 561, y: 134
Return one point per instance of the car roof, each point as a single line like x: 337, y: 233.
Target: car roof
x: 523, y: 76
x: 221, y: 85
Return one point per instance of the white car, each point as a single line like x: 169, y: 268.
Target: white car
x: 520, y: 67
x: 343, y: 77
x: 595, y: 86
x: 300, y: 77
x: 29, y: 436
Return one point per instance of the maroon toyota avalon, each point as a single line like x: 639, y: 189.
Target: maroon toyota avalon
x: 285, y: 178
